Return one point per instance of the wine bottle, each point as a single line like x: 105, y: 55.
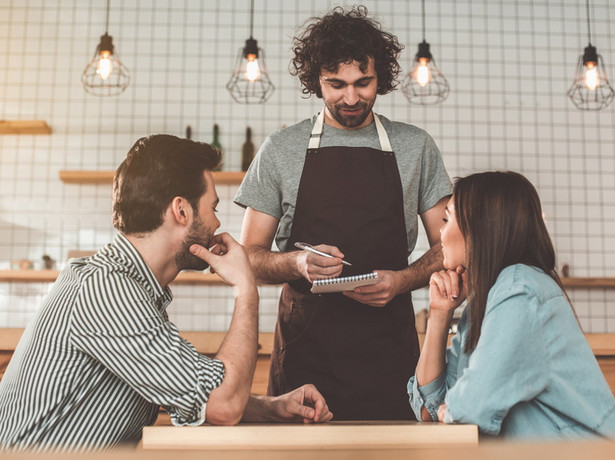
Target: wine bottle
x: 247, y: 151
x: 216, y: 144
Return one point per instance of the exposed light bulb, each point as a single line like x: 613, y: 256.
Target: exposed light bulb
x: 104, y: 67
x: 592, y: 80
x: 253, y: 71
x: 423, y: 75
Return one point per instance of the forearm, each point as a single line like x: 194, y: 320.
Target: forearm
x: 417, y: 274
x: 238, y: 353
x: 273, y: 267
x: 432, y: 360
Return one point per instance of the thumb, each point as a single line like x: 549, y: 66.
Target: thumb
x: 201, y: 252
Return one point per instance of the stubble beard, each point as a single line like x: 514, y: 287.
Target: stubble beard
x: 198, y: 234
x: 350, y: 121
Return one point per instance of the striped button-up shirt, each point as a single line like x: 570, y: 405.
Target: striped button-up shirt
x: 99, y: 358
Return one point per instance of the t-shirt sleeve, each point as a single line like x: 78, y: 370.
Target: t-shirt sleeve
x: 116, y: 324
x: 435, y: 182
x: 261, y: 187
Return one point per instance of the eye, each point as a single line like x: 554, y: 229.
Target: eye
x: 362, y: 84
x: 445, y: 220
x: 215, y: 209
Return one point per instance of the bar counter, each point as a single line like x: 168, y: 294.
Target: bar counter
x: 333, y: 435
x: 485, y: 451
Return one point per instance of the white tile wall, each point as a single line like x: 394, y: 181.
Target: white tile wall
x: 509, y: 65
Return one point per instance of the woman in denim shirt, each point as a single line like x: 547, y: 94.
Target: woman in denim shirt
x: 519, y: 365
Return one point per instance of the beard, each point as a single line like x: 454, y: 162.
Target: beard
x: 351, y: 121
x: 198, y: 234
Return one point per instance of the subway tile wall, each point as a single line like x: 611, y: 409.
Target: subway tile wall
x: 509, y: 64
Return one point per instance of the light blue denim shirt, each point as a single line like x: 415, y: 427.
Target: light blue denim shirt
x: 531, y: 376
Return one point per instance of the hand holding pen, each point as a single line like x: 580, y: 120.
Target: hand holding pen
x: 327, y: 265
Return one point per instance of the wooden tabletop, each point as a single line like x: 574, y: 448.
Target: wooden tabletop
x: 332, y: 435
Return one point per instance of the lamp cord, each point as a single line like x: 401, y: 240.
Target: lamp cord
x: 251, y: 18
x: 589, y: 32
x: 423, y: 13
x: 107, y: 22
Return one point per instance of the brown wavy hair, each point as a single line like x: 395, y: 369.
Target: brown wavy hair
x: 341, y: 37
x: 500, y: 218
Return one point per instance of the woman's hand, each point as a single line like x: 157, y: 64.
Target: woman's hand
x: 447, y: 289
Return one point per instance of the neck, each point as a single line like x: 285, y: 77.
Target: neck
x: 158, y: 250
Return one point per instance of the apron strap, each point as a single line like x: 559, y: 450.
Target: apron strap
x: 317, y: 129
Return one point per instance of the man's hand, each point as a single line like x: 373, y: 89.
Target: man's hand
x: 379, y: 294
x: 303, y: 404
x: 313, y: 266
x: 228, y: 259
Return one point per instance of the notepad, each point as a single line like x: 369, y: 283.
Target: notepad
x: 346, y: 283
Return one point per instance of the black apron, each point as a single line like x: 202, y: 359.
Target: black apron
x: 359, y: 357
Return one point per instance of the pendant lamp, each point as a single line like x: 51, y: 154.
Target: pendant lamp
x: 591, y: 89
x: 250, y: 83
x: 425, y: 84
x: 105, y: 75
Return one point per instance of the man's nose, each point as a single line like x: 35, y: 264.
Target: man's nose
x: 351, y: 96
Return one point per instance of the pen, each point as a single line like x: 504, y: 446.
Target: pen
x: 309, y: 247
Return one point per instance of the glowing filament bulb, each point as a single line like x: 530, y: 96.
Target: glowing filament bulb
x: 592, y: 80
x: 104, y: 67
x: 423, y: 75
x: 252, y: 70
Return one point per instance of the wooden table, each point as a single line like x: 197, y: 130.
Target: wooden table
x: 330, y: 436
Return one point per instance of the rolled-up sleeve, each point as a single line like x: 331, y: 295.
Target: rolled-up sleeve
x: 114, y: 323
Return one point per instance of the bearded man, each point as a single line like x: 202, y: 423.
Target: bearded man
x: 100, y: 356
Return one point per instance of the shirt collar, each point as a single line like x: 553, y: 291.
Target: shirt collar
x: 162, y: 296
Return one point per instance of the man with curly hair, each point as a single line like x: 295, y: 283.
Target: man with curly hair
x: 351, y: 183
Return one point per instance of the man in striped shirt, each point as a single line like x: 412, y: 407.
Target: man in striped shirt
x: 100, y: 357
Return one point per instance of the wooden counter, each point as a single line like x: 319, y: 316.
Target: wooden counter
x: 485, y: 451
x: 208, y: 343
x: 332, y: 435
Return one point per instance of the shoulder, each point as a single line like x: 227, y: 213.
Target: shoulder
x: 405, y: 131
x: 298, y: 132
x: 530, y: 285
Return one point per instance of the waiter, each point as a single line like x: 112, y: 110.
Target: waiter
x: 351, y: 183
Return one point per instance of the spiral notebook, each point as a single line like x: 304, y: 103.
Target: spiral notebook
x: 346, y: 283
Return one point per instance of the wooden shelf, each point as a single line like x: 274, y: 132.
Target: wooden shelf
x: 24, y: 127
x: 106, y: 177
x: 572, y: 282
x: 49, y: 276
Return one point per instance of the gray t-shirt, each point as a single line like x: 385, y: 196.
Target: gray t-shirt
x: 272, y: 181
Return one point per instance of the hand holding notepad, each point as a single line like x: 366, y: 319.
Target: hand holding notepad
x: 346, y: 283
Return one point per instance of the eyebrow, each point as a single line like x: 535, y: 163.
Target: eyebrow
x: 339, y: 81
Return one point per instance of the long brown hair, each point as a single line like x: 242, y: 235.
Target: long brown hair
x: 500, y: 218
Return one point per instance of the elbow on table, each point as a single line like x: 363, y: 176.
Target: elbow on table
x: 226, y: 411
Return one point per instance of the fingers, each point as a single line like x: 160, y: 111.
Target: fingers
x: 447, y: 283
x: 333, y: 250
x: 201, y: 253
x: 315, y: 406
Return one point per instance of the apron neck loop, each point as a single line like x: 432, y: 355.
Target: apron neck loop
x: 317, y: 130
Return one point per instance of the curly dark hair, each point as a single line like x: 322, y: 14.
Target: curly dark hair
x: 342, y: 37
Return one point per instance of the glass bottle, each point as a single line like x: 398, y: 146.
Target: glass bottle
x: 247, y: 151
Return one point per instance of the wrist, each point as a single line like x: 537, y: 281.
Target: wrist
x: 440, y: 317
